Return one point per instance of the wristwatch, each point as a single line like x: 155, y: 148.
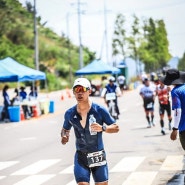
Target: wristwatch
x: 174, y: 128
x: 104, y: 128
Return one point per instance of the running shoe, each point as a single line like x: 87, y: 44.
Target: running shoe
x: 163, y: 132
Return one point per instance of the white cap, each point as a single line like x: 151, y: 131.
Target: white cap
x: 111, y: 78
x: 82, y: 82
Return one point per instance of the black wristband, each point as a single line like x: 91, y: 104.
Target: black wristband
x: 174, y: 128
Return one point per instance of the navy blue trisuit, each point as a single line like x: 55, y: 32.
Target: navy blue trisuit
x: 87, y: 143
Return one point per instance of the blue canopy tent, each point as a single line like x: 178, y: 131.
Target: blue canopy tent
x: 6, y: 76
x: 97, y: 67
x: 12, y: 71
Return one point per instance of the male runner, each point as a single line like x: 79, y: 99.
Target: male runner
x: 90, y: 156
x: 162, y: 91
x: 147, y: 93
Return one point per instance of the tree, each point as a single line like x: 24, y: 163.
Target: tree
x: 148, y: 57
x: 147, y: 42
x: 29, y: 7
x: 163, y: 54
x: 181, y: 65
x: 119, y: 37
x: 134, y: 42
x: 154, y: 51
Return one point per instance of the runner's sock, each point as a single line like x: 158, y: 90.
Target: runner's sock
x: 169, y: 124
x: 162, y: 123
x: 148, y: 119
x: 152, y: 118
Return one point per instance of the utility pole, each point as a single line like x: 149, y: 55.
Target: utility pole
x: 105, y: 31
x: 36, y: 39
x: 80, y: 38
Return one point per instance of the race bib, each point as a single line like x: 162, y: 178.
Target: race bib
x: 96, y: 159
x: 149, y: 105
x: 110, y: 96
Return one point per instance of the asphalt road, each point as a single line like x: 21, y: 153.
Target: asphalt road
x: 31, y: 152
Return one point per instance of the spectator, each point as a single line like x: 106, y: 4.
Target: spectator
x: 15, y: 97
x: 177, y: 79
x: 7, y: 103
x: 33, y: 92
x: 23, y: 97
x: 104, y: 82
x: 32, y: 95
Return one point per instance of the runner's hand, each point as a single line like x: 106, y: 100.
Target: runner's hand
x: 64, y: 136
x: 96, y: 127
x: 64, y: 139
x: 173, y: 135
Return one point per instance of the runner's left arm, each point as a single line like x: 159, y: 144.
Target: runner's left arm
x: 113, y: 128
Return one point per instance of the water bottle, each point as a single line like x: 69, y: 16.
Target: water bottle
x: 92, y: 120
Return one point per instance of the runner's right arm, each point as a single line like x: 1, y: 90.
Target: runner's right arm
x: 64, y: 136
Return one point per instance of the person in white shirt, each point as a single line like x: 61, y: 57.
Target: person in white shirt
x: 121, y: 82
x: 143, y: 77
x: 147, y: 93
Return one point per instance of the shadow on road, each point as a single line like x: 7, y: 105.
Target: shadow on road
x: 177, y: 179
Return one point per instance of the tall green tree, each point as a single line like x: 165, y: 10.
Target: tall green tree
x: 181, y: 65
x: 149, y: 46
x: 134, y: 41
x: 119, y: 37
x: 146, y: 42
x: 154, y: 51
x: 162, y: 54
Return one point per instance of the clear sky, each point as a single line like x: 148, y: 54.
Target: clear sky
x: 93, y: 20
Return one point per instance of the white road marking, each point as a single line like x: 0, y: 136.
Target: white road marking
x: 34, y: 180
x: 173, y: 163
x: 127, y: 164
x: 2, y: 177
x: 7, y: 164
x: 36, y: 167
x: 68, y: 170
x: 140, y: 178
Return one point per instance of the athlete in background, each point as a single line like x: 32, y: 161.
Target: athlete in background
x: 147, y: 93
x: 162, y: 91
x: 112, y: 88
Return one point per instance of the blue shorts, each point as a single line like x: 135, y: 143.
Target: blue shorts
x: 82, y: 173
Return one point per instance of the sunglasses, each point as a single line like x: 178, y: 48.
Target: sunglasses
x: 78, y: 89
